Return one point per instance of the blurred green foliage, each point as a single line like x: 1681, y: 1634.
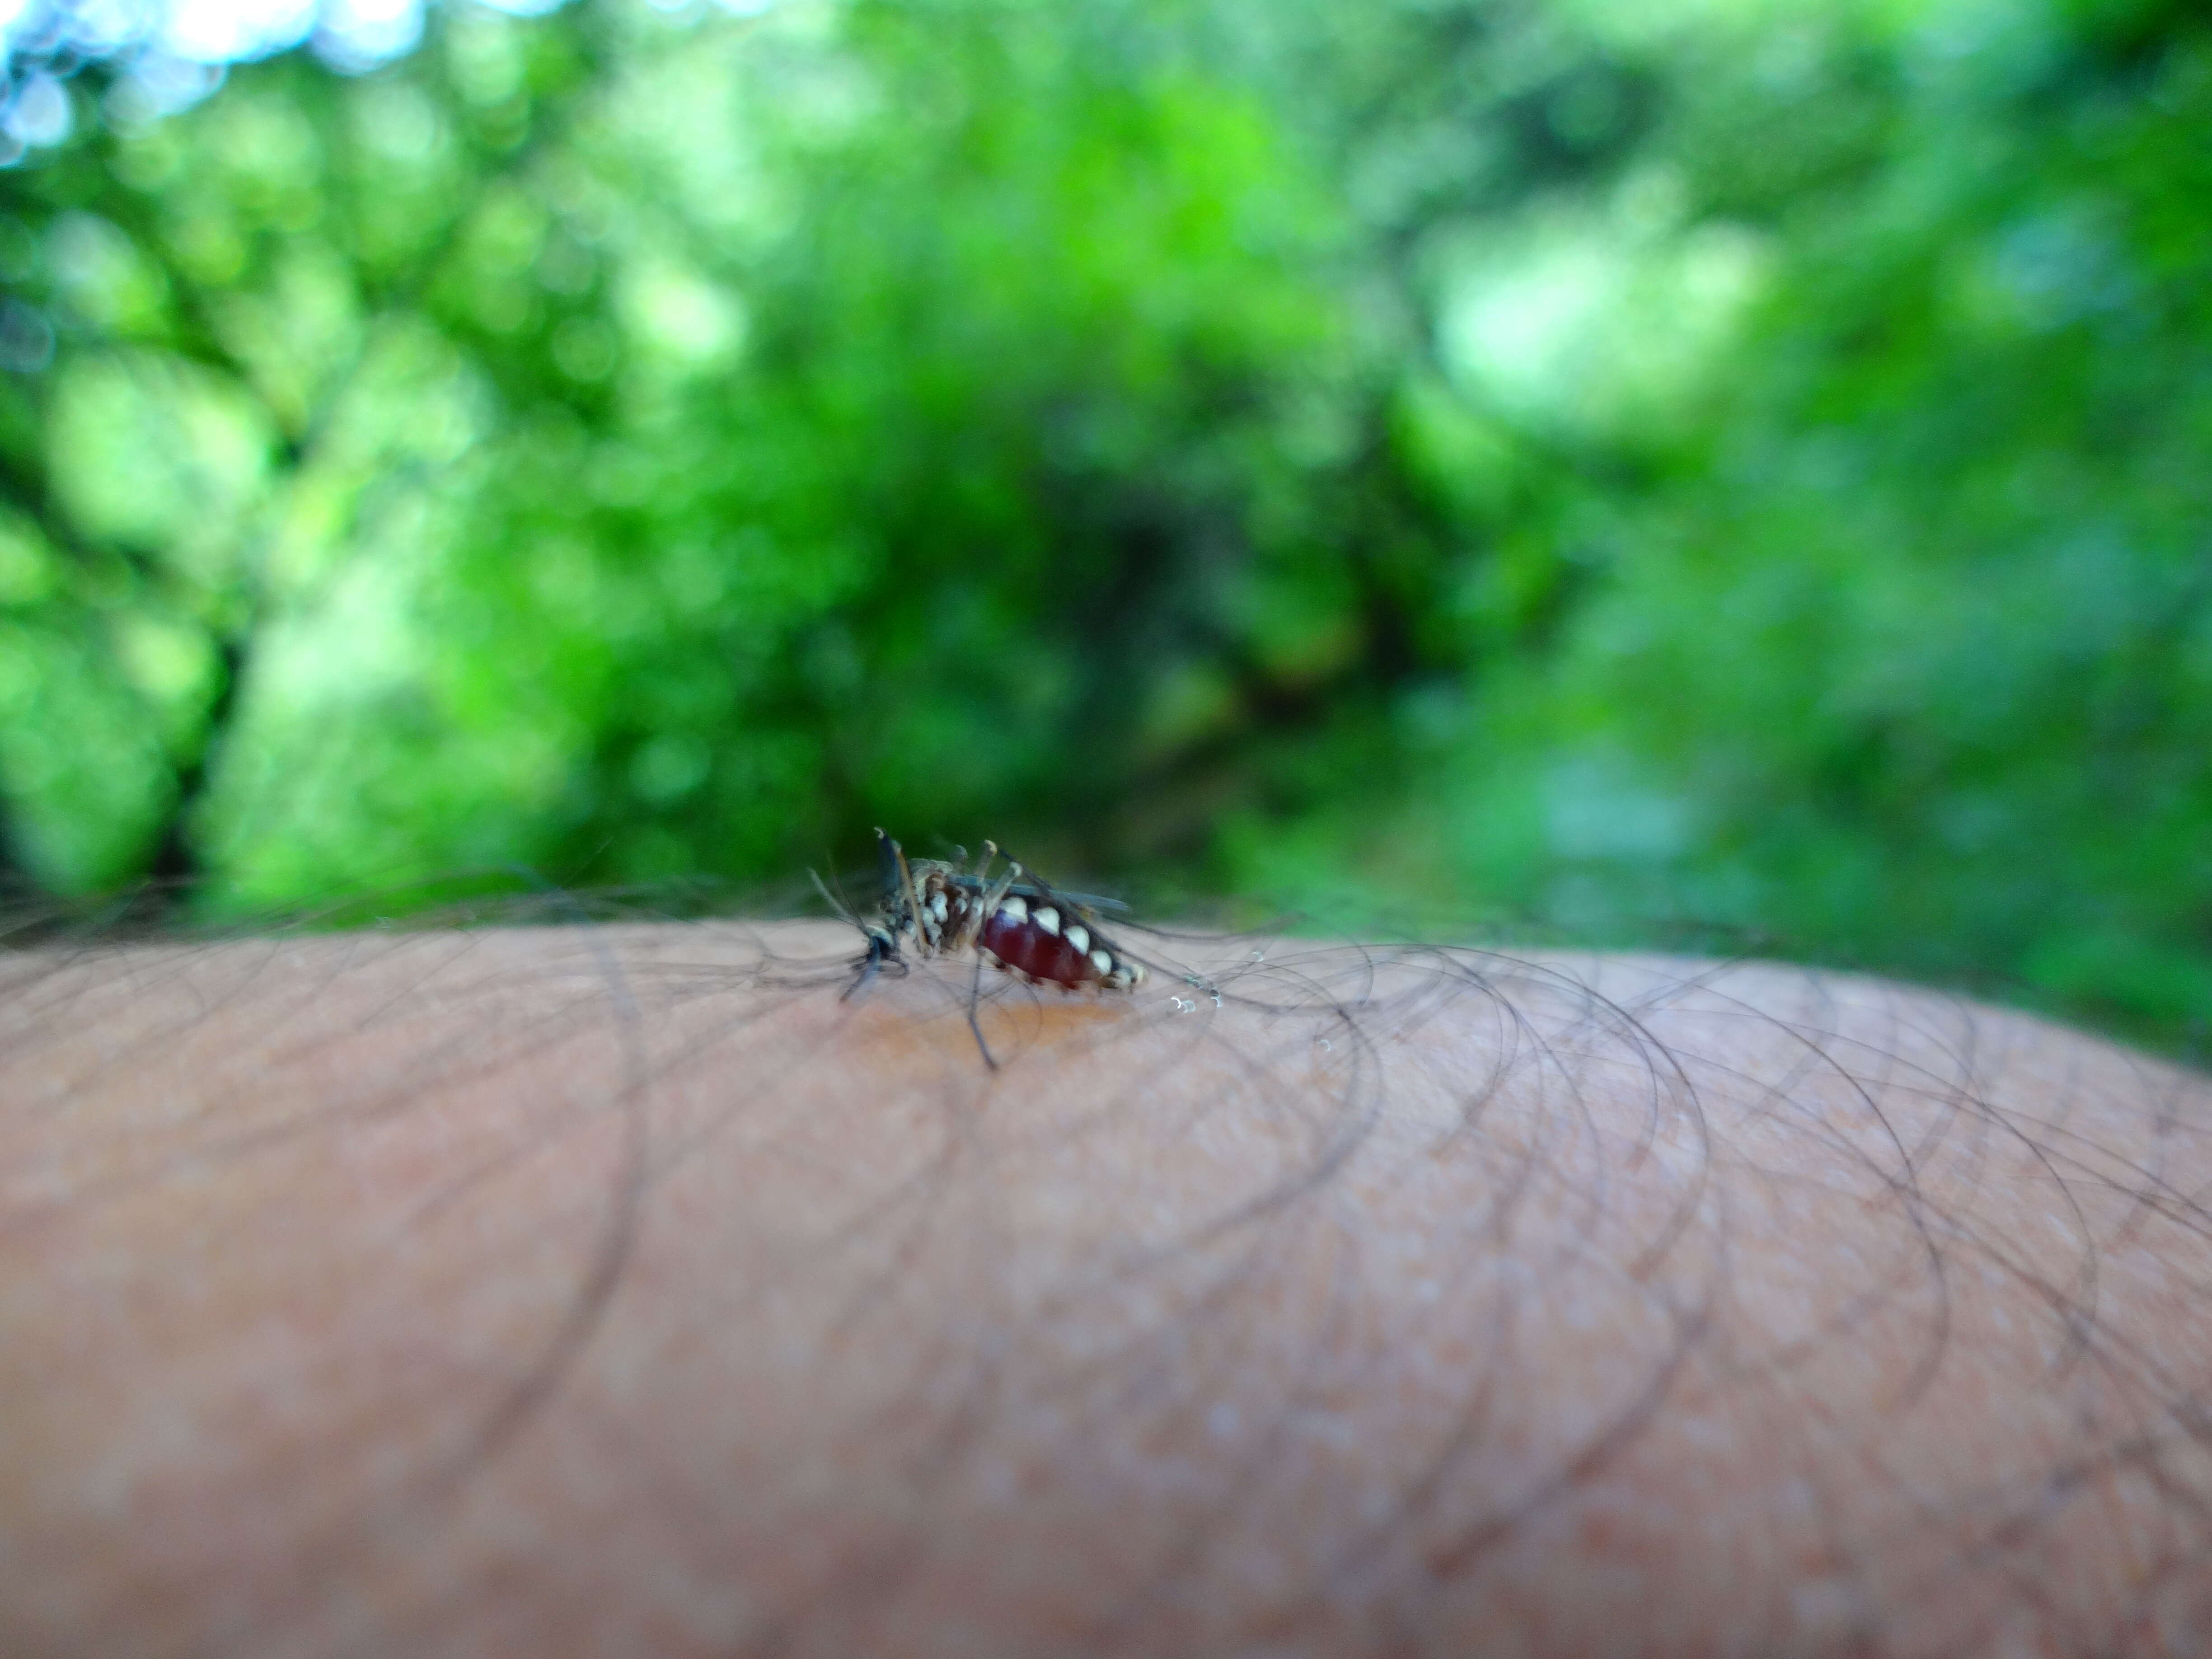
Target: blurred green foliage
x: 1601, y: 465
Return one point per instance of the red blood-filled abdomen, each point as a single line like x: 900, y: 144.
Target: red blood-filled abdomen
x: 1026, y: 946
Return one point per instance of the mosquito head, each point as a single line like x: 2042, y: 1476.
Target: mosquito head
x: 883, y: 955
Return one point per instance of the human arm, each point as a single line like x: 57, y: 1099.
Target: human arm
x: 621, y: 1291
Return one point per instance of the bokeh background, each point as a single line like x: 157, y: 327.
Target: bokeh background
x: 1623, y: 470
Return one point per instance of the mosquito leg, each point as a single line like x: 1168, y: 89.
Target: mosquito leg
x: 925, y: 927
x: 887, y: 866
x: 996, y: 894
x: 980, y: 908
x: 1066, y: 905
x: 975, y: 996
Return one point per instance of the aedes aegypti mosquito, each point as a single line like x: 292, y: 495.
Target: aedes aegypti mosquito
x: 1012, y: 921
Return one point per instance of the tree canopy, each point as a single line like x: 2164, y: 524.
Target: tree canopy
x: 1611, y: 468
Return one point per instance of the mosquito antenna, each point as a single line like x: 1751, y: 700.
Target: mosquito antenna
x: 843, y: 910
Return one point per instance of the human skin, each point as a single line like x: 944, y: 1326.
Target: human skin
x: 623, y: 1291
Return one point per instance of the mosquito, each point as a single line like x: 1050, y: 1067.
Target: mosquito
x: 1012, y: 921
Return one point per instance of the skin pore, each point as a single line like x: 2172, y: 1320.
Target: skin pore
x: 621, y: 1290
